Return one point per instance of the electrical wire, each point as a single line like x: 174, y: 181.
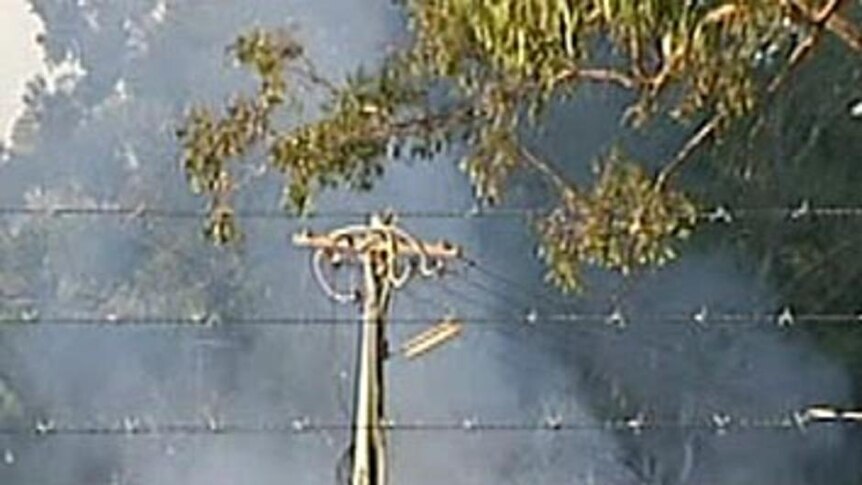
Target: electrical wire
x: 168, y: 213
x: 795, y: 420
x: 486, y: 271
x: 805, y: 210
x: 545, y: 337
x: 701, y: 318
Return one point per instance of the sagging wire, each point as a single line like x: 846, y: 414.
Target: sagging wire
x: 524, y: 318
x: 485, y: 270
x: 527, y: 321
x: 358, y: 240
x: 329, y: 288
x: 335, y: 256
x: 506, y: 330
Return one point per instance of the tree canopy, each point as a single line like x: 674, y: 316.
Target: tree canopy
x: 478, y: 74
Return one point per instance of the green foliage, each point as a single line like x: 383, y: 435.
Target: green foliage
x: 702, y: 54
x: 211, y: 141
x: 345, y: 147
x: 483, y: 71
x: 627, y: 221
x: 514, y: 40
x: 494, y: 157
x: 805, y: 150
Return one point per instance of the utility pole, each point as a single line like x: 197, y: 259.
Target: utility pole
x: 389, y: 256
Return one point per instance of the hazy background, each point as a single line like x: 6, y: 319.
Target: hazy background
x: 21, y: 58
x: 100, y: 131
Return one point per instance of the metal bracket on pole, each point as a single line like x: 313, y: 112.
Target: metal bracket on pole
x: 389, y: 257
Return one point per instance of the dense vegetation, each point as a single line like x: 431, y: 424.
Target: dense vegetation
x: 757, y: 94
x: 477, y: 75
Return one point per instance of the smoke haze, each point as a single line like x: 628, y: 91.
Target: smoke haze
x: 104, y: 136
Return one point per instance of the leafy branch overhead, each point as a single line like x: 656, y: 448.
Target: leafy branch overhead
x: 479, y: 74
x: 624, y: 222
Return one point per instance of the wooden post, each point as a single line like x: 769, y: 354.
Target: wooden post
x: 388, y: 256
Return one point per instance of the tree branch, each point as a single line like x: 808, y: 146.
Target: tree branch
x: 705, y: 131
x: 545, y: 169
x: 602, y: 75
x: 607, y: 75
x: 829, y: 18
x: 310, y: 73
x: 820, y: 20
x: 796, y: 57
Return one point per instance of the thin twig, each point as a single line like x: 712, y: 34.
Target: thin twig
x: 597, y: 74
x: 820, y: 19
x: 315, y: 77
x: 545, y: 169
x: 607, y: 75
x: 832, y: 20
x: 802, y: 51
x: 705, y: 131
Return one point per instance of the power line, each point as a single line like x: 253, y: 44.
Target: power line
x: 166, y: 213
x: 547, y: 337
x: 509, y: 281
x: 543, y: 334
x: 501, y: 296
x: 717, y: 422
x: 702, y: 318
x: 719, y: 214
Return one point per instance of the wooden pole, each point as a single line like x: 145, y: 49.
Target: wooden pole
x: 383, y: 250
